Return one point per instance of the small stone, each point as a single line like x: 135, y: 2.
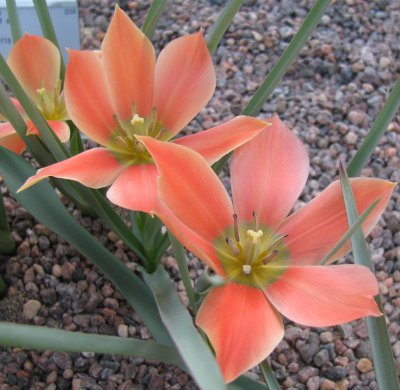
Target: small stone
x: 364, y: 365
x: 351, y: 138
x: 62, y: 360
x: 66, y: 270
x: 122, y: 330
x: 327, y: 384
x: 30, y: 309
x: 306, y: 373
x: 326, y: 337
x: 321, y: 358
x: 313, y: 383
x: 56, y: 271
x: 52, y: 377
x: 356, y: 117
x: 336, y: 373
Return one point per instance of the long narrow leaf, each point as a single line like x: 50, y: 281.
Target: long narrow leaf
x: 15, y: 25
x: 44, y: 338
x: 42, y: 202
x: 377, y: 130
x: 269, y: 377
x: 192, y: 348
x: 7, y: 243
x: 221, y: 25
x: 349, y: 232
x: 245, y: 383
x: 48, y: 136
x: 42, y: 11
x: 153, y: 16
x: 382, y: 354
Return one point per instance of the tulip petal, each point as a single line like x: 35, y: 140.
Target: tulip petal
x: 316, y: 228
x: 184, y: 81
x: 214, y: 143
x: 190, y: 188
x: 129, y: 63
x: 136, y: 188
x: 94, y: 168
x: 86, y: 96
x: 325, y: 295
x: 35, y: 62
x: 201, y: 248
x: 9, y: 138
x: 268, y: 173
x: 241, y: 325
x: 60, y: 128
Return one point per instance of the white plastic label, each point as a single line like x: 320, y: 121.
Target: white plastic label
x: 65, y: 17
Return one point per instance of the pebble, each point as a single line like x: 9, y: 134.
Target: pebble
x: 31, y: 309
x: 364, y: 365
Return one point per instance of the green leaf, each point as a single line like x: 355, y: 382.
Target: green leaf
x: 375, y: 134
x: 221, y: 25
x: 76, y: 145
x: 385, y: 369
x: 3, y: 288
x: 153, y: 16
x: 7, y: 243
x: 349, y: 232
x: 42, y: 202
x: 44, y: 338
x: 269, y: 377
x: 245, y: 383
x: 15, y: 25
x: 192, y: 348
x: 46, y: 24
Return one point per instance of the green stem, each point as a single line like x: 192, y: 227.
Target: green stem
x: 180, y: 257
x: 7, y: 243
x: 269, y: 376
x: 377, y: 130
x: 15, y: 25
x: 43, y: 338
x: 221, y: 25
x: 153, y: 16
x: 42, y: 11
x: 384, y: 365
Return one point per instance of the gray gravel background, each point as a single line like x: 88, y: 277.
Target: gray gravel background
x: 329, y: 98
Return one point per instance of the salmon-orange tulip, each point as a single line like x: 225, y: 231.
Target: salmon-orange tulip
x: 35, y: 62
x: 269, y: 261
x: 121, y: 92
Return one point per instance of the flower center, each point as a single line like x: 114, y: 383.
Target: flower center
x: 252, y: 254
x: 51, y: 103
x: 124, y: 143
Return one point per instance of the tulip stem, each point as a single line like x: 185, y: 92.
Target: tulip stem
x: 15, y: 25
x: 269, y: 376
x: 7, y: 243
x: 153, y: 16
x: 180, y: 257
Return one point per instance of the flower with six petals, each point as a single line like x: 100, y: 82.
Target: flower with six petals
x: 270, y: 261
x: 35, y: 62
x: 121, y: 92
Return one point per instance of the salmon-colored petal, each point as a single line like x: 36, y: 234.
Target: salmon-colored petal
x: 9, y: 138
x: 129, y: 63
x: 86, y: 96
x: 184, y: 82
x: 35, y: 62
x: 60, y: 128
x: 325, y: 295
x: 200, y: 247
x: 136, y: 188
x: 268, y: 173
x: 190, y: 188
x: 214, y: 143
x: 242, y: 326
x: 94, y: 168
x: 316, y: 228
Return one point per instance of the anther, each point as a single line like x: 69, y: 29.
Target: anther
x: 246, y: 269
x: 233, y: 246
x: 254, y: 235
x: 236, y: 227
x: 277, y: 240
x: 268, y: 259
x: 121, y: 141
x: 255, y: 220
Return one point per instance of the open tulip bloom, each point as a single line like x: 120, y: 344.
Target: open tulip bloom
x: 35, y: 62
x: 121, y: 92
x: 270, y: 261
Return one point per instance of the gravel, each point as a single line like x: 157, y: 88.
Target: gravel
x: 329, y: 97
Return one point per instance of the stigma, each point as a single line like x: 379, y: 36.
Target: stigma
x: 255, y: 235
x: 246, y: 269
x: 137, y: 120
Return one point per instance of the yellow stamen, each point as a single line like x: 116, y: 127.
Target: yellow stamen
x: 255, y: 235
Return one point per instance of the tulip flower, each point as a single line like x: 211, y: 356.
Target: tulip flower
x: 35, y: 62
x: 270, y: 262
x: 122, y: 91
